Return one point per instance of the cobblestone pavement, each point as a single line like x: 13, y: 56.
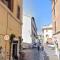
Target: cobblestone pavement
x: 34, y: 54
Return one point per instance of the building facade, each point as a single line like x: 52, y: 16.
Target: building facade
x: 29, y: 30
x: 56, y: 20
x: 40, y: 37
x: 47, y: 34
x: 10, y: 23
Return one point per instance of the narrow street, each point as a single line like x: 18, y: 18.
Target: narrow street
x: 34, y: 54
x: 29, y: 29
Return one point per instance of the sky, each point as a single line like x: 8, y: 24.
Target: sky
x: 41, y: 10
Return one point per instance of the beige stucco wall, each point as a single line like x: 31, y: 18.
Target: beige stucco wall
x: 57, y: 15
x: 18, y: 3
x: 9, y: 24
x: 56, y: 19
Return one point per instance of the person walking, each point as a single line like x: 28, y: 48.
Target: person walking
x: 38, y: 48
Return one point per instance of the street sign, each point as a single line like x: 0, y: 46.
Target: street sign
x: 6, y: 37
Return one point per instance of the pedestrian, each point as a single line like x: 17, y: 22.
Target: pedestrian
x: 38, y: 48
x: 42, y: 48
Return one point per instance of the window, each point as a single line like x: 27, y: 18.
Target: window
x: 55, y: 25
x: 5, y: 2
x: 14, y: 52
x: 54, y: 7
x: 18, y: 12
x: 8, y: 3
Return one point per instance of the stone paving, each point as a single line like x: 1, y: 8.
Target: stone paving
x: 34, y: 54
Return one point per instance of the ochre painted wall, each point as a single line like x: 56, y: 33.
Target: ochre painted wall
x: 9, y: 24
